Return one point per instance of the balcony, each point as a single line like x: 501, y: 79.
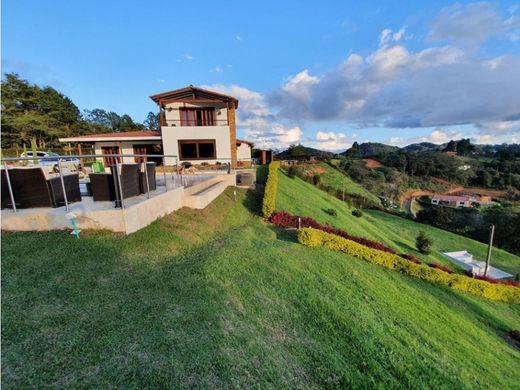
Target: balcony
x: 193, y: 123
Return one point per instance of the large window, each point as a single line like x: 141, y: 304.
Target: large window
x: 197, y: 116
x: 197, y: 149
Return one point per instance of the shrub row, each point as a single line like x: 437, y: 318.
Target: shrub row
x: 489, y: 279
x: 316, y: 238
x: 441, y: 267
x: 271, y: 187
x: 286, y: 220
x: 411, y: 258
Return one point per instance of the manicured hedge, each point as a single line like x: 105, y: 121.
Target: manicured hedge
x: 489, y: 279
x: 284, y: 219
x: 271, y: 187
x: 315, y: 238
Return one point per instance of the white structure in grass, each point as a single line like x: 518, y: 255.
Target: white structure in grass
x: 466, y: 260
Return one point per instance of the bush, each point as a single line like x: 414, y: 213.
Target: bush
x: 316, y: 179
x: 423, y: 243
x: 292, y: 171
x: 357, y: 213
x: 514, y: 334
x: 271, y: 187
x: 316, y: 238
x: 332, y: 212
x: 489, y: 279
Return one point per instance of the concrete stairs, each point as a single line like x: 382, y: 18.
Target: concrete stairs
x: 202, y: 194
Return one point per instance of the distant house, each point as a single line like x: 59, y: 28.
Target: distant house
x: 452, y: 200
x: 461, y: 200
x: 197, y: 125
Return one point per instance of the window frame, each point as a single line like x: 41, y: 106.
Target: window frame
x: 197, y: 142
x: 208, y: 116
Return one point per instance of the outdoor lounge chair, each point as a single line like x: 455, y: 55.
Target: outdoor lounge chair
x: 150, y: 167
x: 129, y: 180
x: 32, y: 189
x: 102, y: 186
x: 105, y: 186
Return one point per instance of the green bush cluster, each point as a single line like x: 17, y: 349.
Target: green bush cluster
x: 357, y: 213
x: 271, y: 187
x: 314, y: 238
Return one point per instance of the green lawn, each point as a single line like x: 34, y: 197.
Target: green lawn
x: 217, y: 298
x: 336, y: 179
x: 298, y: 197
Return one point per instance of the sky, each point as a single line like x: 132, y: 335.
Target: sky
x: 324, y: 74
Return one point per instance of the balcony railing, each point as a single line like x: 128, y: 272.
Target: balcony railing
x: 195, y: 122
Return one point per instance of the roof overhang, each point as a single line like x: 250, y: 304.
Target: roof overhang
x: 193, y: 94
x: 111, y: 139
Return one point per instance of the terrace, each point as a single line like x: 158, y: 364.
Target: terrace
x: 121, y: 198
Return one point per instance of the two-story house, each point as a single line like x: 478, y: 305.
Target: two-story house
x: 196, y: 125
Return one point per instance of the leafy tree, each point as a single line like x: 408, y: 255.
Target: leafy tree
x: 450, y: 147
x: 152, y: 121
x: 353, y: 151
x: 30, y: 111
x: 464, y: 147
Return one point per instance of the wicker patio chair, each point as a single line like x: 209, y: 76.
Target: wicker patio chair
x: 152, y: 184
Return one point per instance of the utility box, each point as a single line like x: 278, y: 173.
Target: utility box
x: 245, y: 179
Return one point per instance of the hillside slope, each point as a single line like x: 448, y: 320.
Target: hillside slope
x: 219, y: 298
x: 301, y: 198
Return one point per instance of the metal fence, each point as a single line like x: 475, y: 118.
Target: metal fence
x: 142, y: 158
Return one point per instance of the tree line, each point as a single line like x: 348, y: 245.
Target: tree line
x: 31, y: 112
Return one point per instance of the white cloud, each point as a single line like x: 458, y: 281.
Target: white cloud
x: 387, y: 36
x: 436, y: 136
x: 393, y: 87
x: 216, y: 69
x: 239, y: 38
x: 332, y: 141
x: 189, y: 57
x: 471, y: 24
x: 256, y: 121
x: 396, y: 141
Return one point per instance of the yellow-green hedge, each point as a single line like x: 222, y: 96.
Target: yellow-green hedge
x: 496, y: 292
x: 271, y: 187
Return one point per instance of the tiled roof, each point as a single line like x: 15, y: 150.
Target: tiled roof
x: 241, y: 141
x: 126, y: 134
x: 451, y: 197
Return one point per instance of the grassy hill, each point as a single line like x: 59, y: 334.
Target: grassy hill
x: 219, y: 298
x: 334, y: 178
x: 298, y: 197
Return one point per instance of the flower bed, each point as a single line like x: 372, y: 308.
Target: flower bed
x: 286, y: 220
x: 489, y: 279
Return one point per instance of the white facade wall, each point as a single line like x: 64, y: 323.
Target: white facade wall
x: 221, y: 135
x: 244, y: 152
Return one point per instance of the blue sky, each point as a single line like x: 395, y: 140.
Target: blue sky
x: 324, y: 74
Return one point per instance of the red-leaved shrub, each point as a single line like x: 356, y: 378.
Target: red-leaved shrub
x: 442, y: 267
x: 411, y: 258
x: 286, y: 220
x: 506, y: 282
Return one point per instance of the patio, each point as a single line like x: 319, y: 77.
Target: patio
x: 53, y: 201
